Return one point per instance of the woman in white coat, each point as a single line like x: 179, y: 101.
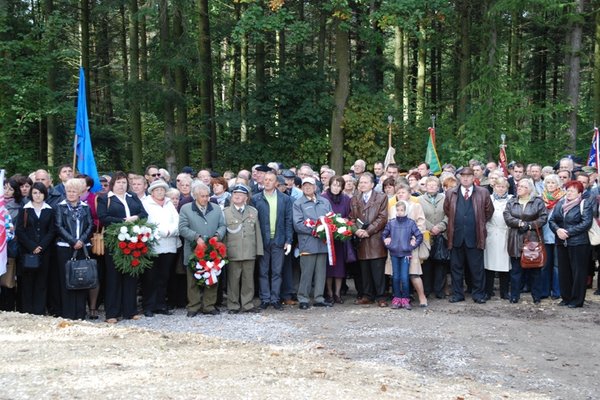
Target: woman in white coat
x: 495, y: 256
x: 163, y: 213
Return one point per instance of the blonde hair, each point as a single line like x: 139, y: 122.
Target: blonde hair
x: 77, y: 184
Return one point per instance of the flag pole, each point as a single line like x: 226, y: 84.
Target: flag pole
x: 390, y: 120
x: 74, y: 166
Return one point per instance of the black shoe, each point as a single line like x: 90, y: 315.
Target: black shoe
x: 163, y: 312
x: 563, y: 303
x: 264, y: 305
x: 455, y: 299
x: 148, y: 314
x: 597, y: 292
x: 480, y: 301
x: 556, y: 297
x: 514, y: 301
x: 504, y: 297
x: 323, y: 304
x: 537, y: 301
x: 277, y: 306
x: 253, y: 310
x: 214, y: 311
x: 575, y: 305
x: 233, y: 311
x: 440, y: 295
x: 191, y: 314
x: 303, y: 306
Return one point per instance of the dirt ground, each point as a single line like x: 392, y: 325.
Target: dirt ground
x: 447, y: 351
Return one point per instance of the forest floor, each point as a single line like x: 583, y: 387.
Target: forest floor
x: 446, y: 351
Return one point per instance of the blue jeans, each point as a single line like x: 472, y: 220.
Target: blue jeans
x: 400, y: 276
x: 549, y: 274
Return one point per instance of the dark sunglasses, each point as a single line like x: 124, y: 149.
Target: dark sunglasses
x: 155, y: 175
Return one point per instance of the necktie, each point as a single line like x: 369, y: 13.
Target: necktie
x: 241, y: 210
x: 366, y: 198
x: 467, y: 194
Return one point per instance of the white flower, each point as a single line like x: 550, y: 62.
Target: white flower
x: 341, y: 230
x: 144, y: 239
x: 206, y: 275
x: 123, y: 229
x: 320, y: 228
x: 121, y: 237
x: 136, y: 229
x: 134, y: 239
x: 340, y: 220
x: 198, y: 275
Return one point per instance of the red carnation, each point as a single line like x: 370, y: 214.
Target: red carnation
x: 136, y: 254
x: 131, y: 245
x: 349, y: 223
x: 213, y: 254
x: 140, y: 245
x: 212, y: 240
x: 122, y: 245
x: 222, y: 251
x: 144, y: 250
x: 135, y: 262
x: 127, y: 251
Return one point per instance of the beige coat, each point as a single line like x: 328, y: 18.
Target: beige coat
x: 243, y: 239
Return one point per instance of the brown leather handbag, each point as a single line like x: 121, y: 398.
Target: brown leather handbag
x: 534, y: 252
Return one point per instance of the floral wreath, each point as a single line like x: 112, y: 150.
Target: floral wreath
x: 207, y: 261
x: 339, y: 228
x: 130, y: 244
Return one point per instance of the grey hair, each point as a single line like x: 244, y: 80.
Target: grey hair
x: 552, y: 178
x: 198, y: 186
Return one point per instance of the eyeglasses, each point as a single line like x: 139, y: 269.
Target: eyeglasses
x: 155, y: 175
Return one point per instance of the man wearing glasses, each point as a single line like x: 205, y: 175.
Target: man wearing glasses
x: 152, y: 174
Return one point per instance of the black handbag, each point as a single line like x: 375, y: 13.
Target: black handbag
x: 439, y: 249
x: 31, y: 261
x: 81, y: 274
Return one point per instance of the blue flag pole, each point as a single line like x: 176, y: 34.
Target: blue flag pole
x: 83, y: 142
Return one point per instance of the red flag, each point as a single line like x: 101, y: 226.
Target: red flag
x: 502, y: 161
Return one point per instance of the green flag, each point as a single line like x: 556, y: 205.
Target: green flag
x: 431, y: 156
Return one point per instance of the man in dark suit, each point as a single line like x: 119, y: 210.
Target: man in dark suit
x: 277, y: 239
x: 468, y: 208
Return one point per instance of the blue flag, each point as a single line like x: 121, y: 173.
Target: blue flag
x: 85, y: 155
x: 594, y: 156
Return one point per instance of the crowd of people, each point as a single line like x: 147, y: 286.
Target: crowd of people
x: 417, y: 237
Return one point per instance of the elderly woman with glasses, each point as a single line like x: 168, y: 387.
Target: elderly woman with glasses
x: 525, y: 214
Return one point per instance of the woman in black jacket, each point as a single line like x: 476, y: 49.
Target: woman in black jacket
x: 121, y: 289
x: 74, y: 226
x: 525, y: 214
x: 570, y: 221
x: 35, y: 232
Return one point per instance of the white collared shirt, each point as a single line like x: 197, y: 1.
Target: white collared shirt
x: 123, y: 200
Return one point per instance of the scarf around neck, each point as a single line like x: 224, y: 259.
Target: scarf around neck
x: 571, y: 204
x: 550, y: 199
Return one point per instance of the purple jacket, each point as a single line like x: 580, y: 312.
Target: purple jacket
x: 401, y: 230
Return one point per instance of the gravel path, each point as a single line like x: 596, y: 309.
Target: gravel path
x: 447, y: 351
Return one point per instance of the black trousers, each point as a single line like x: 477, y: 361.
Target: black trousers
x: 504, y: 278
x: 120, y: 295
x: 373, y: 278
x: 73, y: 302
x: 53, y: 285
x: 155, y: 280
x: 463, y: 259
x: 33, y: 286
x: 572, y: 272
x: 434, y: 277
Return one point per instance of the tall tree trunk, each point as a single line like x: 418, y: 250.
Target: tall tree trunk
x: 398, y: 69
x: 420, y: 109
x: 105, y: 105
x: 597, y: 66
x: 51, y: 123
x: 300, y: 45
x: 123, y: 42
x: 465, y: 58
x: 208, y: 131
x: 342, y: 89
x: 244, y: 88
x: 143, y: 48
x: 322, y: 39
x: 260, y: 79
x: 377, y: 60
x: 134, y: 102
x: 573, y: 70
x: 167, y: 81
x: 406, y: 78
x: 85, y: 47
x: 180, y: 89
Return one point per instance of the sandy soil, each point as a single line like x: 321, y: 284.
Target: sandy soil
x: 447, y: 351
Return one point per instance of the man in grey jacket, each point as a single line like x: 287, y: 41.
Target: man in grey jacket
x: 198, y: 222
x: 313, y: 252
